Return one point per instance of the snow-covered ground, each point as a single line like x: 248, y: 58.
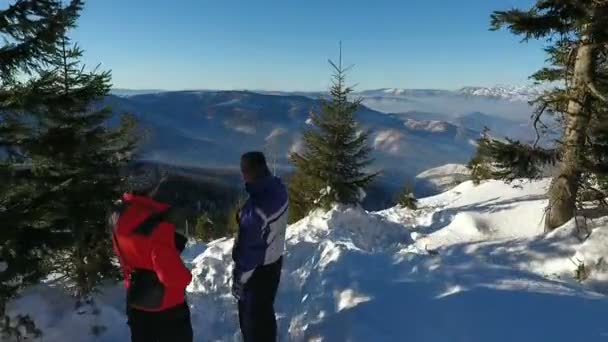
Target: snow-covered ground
x: 472, y: 264
x: 444, y: 177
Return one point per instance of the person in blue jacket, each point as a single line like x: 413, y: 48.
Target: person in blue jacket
x: 258, y: 249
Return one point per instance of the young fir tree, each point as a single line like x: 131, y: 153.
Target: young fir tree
x: 480, y: 165
x: 304, y: 192
x: 84, y: 151
x: 577, y: 35
x: 30, y: 32
x: 62, y: 170
x: 407, y: 199
x: 203, y: 227
x: 331, y: 169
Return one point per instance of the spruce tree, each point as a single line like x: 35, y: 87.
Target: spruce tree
x: 59, y: 155
x: 203, y: 227
x: 30, y: 32
x: 81, y: 150
x: 304, y: 192
x: 508, y: 160
x: 331, y: 169
x: 577, y: 35
x: 407, y: 199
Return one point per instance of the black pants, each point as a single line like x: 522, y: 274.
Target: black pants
x: 256, y: 307
x: 171, y: 325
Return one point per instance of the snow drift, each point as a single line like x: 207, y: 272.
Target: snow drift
x: 472, y: 264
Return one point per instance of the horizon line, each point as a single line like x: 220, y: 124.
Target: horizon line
x: 310, y: 91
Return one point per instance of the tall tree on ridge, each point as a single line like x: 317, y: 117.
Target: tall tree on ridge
x: 331, y: 169
x: 577, y: 34
x: 59, y: 154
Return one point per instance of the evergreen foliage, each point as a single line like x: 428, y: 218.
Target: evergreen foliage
x: 60, y: 154
x: 231, y: 219
x: 407, y: 199
x: 508, y: 160
x: 577, y: 35
x: 203, y: 228
x: 304, y: 192
x: 331, y: 169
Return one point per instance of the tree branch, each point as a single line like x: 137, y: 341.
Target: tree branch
x: 596, y: 92
x: 538, y: 121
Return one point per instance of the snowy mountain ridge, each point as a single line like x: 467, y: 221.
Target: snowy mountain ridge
x: 402, y: 92
x: 513, y: 93
x: 524, y: 93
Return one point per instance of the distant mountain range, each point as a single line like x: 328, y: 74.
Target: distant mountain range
x: 411, y: 130
x: 510, y: 102
x: 212, y: 129
x: 509, y: 93
x: 131, y: 92
x: 523, y: 93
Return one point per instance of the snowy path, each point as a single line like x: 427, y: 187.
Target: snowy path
x: 357, y: 276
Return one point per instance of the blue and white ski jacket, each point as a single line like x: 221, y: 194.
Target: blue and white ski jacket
x: 262, y: 227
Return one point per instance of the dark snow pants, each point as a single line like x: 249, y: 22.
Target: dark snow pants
x: 256, y: 307
x: 171, y: 325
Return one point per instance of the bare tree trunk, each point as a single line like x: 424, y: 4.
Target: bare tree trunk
x: 564, y: 188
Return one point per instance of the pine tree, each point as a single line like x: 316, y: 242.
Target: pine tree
x: 203, y: 228
x: 78, y: 148
x: 480, y: 165
x: 578, y: 36
x: 407, y: 199
x: 303, y: 195
x: 61, y: 160
x: 332, y: 166
x: 30, y: 31
x: 508, y: 160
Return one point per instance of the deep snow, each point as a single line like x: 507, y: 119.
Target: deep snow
x: 472, y: 264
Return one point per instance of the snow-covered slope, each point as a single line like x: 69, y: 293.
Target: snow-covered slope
x: 321, y: 269
x: 471, y: 213
x: 472, y: 264
x: 442, y: 178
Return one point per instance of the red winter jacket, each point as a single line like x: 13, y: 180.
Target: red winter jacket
x: 156, y: 252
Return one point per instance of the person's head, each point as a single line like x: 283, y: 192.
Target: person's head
x: 254, y: 167
x: 145, y: 180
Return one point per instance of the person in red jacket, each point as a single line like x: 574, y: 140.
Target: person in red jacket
x: 149, y: 248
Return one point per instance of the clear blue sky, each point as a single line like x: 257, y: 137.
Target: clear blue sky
x: 285, y: 44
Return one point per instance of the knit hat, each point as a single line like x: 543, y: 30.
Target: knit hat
x: 145, y: 178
